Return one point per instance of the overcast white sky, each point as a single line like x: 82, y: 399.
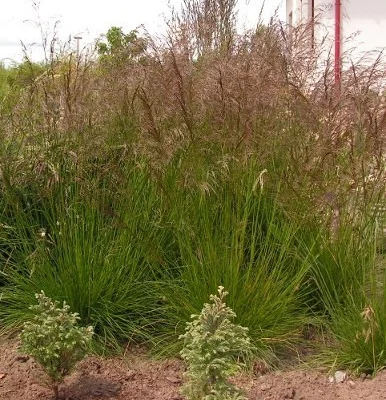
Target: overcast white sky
x: 90, y: 18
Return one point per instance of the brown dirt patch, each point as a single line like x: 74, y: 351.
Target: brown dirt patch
x: 136, y: 377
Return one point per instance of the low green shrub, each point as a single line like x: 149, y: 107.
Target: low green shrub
x: 211, y: 344
x: 53, y: 339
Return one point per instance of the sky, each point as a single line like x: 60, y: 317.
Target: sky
x: 19, y: 20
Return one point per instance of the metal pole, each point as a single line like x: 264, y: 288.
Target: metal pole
x: 77, y: 38
x: 338, y: 43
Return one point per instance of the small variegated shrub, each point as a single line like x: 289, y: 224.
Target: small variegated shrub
x: 54, y: 340
x: 212, y: 345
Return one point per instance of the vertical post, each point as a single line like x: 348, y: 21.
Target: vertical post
x: 77, y: 38
x: 338, y: 44
x: 312, y: 16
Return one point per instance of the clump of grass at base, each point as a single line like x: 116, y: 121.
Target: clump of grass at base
x: 350, y: 296
x: 360, y: 338
x: 211, y: 344
x: 54, y: 340
x: 240, y: 237
x: 93, y: 254
x: 358, y: 326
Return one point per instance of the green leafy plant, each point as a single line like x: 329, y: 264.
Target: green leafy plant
x: 211, y: 344
x: 121, y: 47
x: 54, y: 340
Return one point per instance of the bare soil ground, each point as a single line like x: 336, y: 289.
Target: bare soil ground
x: 136, y: 377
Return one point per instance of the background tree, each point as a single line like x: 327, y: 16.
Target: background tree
x: 120, y: 47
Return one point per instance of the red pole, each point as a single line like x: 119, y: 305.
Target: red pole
x: 338, y: 43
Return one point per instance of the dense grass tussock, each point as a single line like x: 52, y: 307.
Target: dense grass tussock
x: 73, y: 248
x: 238, y: 236
x: 136, y: 181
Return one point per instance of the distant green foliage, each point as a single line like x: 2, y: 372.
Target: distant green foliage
x: 118, y: 47
x: 17, y: 77
x: 3, y: 80
x: 211, y: 344
x: 25, y: 73
x: 54, y: 340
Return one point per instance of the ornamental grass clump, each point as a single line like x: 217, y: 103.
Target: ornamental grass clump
x: 53, y: 339
x: 212, y: 343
